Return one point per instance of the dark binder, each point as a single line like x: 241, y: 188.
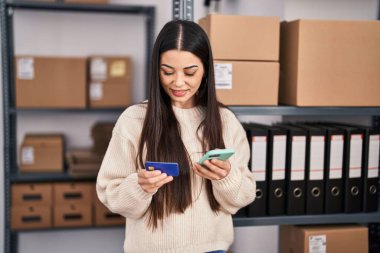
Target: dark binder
x: 333, y: 169
x: 370, y: 164
x: 315, y: 158
x: 352, y: 168
x: 295, y: 169
x: 276, y: 158
x: 258, y: 141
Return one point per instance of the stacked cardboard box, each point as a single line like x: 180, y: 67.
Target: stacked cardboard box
x: 72, y: 204
x: 50, y: 82
x: 83, y: 163
x: 110, y: 81
x: 103, y: 216
x: 42, y: 153
x: 324, y: 238
x: 31, y: 206
x: 246, y: 53
x: 330, y: 63
x: 101, y: 134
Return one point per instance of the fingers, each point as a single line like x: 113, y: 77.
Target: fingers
x: 151, y: 181
x: 213, y: 170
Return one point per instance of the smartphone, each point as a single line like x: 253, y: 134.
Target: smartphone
x: 220, y: 154
x: 171, y: 169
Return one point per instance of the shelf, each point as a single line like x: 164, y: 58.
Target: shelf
x: 85, y: 110
x: 340, y: 218
x: 305, y: 111
x: 238, y: 110
x: 50, y: 230
x: 47, y: 177
x: 93, y: 8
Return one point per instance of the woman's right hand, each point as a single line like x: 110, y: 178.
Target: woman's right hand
x: 151, y: 181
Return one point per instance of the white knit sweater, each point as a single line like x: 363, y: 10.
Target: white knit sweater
x: 196, y: 230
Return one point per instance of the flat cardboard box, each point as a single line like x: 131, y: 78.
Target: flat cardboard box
x: 330, y: 63
x: 72, y: 215
x: 50, y: 82
x: 72, y: 193
x: 83, y: 163
x: 104, y: 217
x: 32, y: 194
x: 243, y: 37
x: 31, y: 217
x: 247, y: 83
x: 105, y: 94
x: 324, y: 238
x: 42, y: 153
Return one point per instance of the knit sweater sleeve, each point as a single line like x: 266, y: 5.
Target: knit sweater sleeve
x: 117, y: 185
x: 238, y: 188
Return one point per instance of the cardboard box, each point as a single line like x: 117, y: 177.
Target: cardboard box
x: 330, y: 63
x: 104, y: 217
x: 73, y: 215
x: 83, y: 163
x: 42, y: 153
x: 73, y: 193
x: 243, y: 37
x: 324, y: 238
x: 32, y: 194
x: 110, y: 95
x: 50, y: 82
x: 101, y: 134
x: 110, y: 82
x: 247, y: 83
x: 31, y: 217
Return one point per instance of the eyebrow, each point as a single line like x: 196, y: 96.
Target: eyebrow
x: 189, y: 67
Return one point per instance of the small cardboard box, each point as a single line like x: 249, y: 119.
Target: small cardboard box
x: 32, y: 194
x: 110, y: 95
x: 42, y: 153
x: 73, y: 193
x: 31, y: 217
x: 83, y: 163
x: 324, y: 238
x: 246, y: 82
x: 72, y: 215
x: 110, y: 82
x: 50, y: 82
x: 243, y: 37
x: 330, y: 63
x: 104, y: 217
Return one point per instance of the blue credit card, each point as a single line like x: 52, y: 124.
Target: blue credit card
x: 171, y: 169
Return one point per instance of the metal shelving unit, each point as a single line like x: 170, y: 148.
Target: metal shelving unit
x: 7, y: 9
x: 182, y: 9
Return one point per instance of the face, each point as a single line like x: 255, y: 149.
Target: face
x: 181, y: 75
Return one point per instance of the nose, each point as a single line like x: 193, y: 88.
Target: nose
x: 179, y: 80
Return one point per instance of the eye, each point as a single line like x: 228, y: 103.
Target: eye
x: 167, y: 73
x: 190, y: 74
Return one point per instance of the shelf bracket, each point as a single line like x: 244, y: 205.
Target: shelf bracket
x: 183, y: 10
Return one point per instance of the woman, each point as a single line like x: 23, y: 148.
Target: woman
x: 180, y: 122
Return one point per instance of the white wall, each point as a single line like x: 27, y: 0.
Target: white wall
x: 84, y: 34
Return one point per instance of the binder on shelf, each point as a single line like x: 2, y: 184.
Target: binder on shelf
x: 370, y: 165
x: 352, y: 167
x: 276, y: 158
x: 333, y: 169
x: 258, y: 141
x: 315, y: 157
x: 371, y: 169
x: 295, y: 169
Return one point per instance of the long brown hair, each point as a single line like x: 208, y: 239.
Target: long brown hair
x: 161, y: 130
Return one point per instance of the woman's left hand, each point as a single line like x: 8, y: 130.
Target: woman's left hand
x: 213, y: 169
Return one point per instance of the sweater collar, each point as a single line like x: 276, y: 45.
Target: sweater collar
x: 194, y: 113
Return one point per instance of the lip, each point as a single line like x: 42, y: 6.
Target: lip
x: 178, y: 93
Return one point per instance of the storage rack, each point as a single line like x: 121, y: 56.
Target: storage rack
x: 182, y: 9
x: 7, y: 9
